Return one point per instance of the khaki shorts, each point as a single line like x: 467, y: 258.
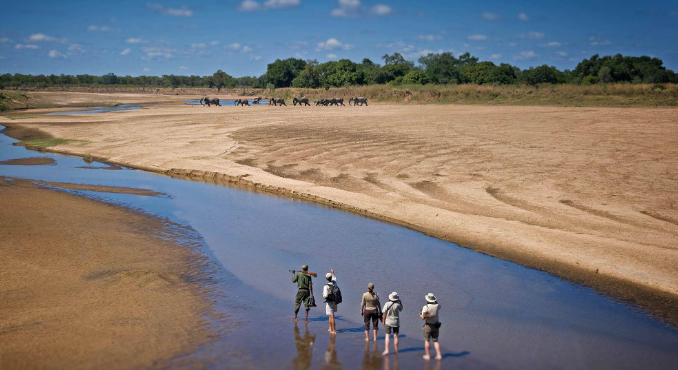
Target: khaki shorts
x: 396, y: 329
x: 431, y: 333
x: 330, y: 308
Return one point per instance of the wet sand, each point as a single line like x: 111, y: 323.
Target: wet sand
x: 88, y: 285
x: 36, y: 161
x: 586, y: 193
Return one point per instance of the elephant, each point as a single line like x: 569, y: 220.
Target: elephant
x: 206, y: 101
x: 242, y: 102
x: 256, y: 100
x: 301, y: 101
x: 357, y: 101
x: 276, y: 101
x: 339, y: 101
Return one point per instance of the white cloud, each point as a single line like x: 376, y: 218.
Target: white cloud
x: 246, y: 49
x: 214, y: 43
x: 512, y: 44
x: 332, y: 44
x: 98, y: 28
x: 75, y: 49
x: 257, y: 58
x: 381, y: 9
x: 561, y: 54
x: 347, y: 8
x: 241, y: 48
x: 4, y: 40
x: 133, y: 40
x: 251, y: 5
x: 430, y: 37
x: 43, y: 37
x: 523, y: 17
x: 56, y: 54
x: 552, y: 44
x: 2, y: 58
x: 147, y: 69
x: 595, y: 41
x: 491, y: 16
x: 157, y: 53
x: 331, y: 56
x: 234, y: 46
x: 198, y: 46
x: 477, y: 37
x: 27, y: 46
x: 183, y: 68
x: 525, y: 55
x: 495, y: 56
x: 421, y: 53
x: 532, y: 35
x: 126, y: 51
x: 297, y: 45
x: 182, y: 11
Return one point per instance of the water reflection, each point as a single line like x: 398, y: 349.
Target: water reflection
x: 331, y: 361
x: 373, y: 358
x: 304, y: 348
x: 388, y: 360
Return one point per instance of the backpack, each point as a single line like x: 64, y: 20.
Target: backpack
x: 334, y: 295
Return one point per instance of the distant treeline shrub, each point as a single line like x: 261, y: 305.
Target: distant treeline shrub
x: 437, y: 69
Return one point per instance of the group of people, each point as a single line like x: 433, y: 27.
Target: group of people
x: 371, y: 310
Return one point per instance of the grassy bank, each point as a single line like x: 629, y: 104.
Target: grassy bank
x: 563, y: 95
x: 546, y: 94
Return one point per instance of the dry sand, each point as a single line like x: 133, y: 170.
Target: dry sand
x: 89, y: 285
x: 587, y: 193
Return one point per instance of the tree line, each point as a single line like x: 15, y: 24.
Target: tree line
x: 441, y: 69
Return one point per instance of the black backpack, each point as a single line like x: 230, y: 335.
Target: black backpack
x: 334, y: 295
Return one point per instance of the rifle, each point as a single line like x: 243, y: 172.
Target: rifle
x: 306, y: 272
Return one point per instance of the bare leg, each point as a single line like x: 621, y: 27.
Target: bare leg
x: 427, y: 356
x: 367, y: 335
x: 395, y: 342
x: 295, y: 316
x: 437, y: 346
x: 375, y: 335
x: 306, y: 319
x: 385, y: 345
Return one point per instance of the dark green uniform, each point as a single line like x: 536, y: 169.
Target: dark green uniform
x: 304, y: 284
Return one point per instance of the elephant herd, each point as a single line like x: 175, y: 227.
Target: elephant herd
x: 355, y: 101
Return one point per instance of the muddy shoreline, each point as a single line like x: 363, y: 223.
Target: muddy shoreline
x: 656, y: 302
x: 90, y: 284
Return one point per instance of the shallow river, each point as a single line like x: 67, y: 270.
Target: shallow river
x: 495, y: 314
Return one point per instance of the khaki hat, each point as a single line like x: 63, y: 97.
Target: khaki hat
x: 328, y: 275
x: 431, y: 298
x: 393, y: 296
x: 304, y: 267
x: 370, y: 286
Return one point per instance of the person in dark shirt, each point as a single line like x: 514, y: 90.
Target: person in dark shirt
x: 304, y: 292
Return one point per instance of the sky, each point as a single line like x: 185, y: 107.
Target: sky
x: 241, y: 37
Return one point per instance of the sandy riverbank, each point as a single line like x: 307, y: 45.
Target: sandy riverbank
x: 587, y: 193
x: 90, y: 285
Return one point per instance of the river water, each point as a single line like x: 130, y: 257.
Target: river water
x: 495, y: 314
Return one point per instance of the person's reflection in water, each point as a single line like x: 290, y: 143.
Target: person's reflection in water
x: 373, y: 358
x: 427, y: 365
x: 331, y: 361
x: 387, y: 363
x: 304, y: 348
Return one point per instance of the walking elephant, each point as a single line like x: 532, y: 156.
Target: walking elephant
x: 301, y: 101
x: 277, y: 101
x: 207, y: 101
x: 242, y: 102
x: 357, y: 101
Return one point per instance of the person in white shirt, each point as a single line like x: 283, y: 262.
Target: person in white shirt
x: 391, y: 320
x: 331, y: 306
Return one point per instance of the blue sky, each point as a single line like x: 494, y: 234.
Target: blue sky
x: 242, y: 36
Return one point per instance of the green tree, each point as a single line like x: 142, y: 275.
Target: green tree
x: 281, y: 73
x: 221, y: 79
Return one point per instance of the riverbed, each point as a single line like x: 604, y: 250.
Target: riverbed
x: 495, y: 314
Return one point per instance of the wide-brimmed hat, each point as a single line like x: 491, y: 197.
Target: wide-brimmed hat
x: 370, y: 286
x: 431, y: 298
x: 304, y: 267
x: 393, y: 296
x: 328, y: 275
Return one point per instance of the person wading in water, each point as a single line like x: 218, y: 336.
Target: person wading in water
x: 429, y: 313
x: 370, y: 304
x: 305, y: 292
x: 331, y: 305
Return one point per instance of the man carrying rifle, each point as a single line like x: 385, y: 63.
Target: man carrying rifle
x: 305, y: 292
